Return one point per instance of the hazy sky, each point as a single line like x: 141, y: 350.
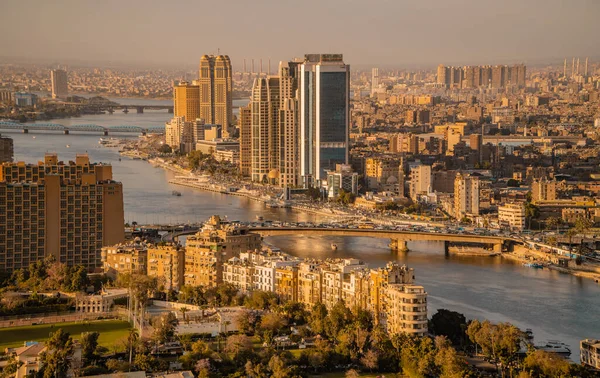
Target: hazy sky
x: 373, y: 32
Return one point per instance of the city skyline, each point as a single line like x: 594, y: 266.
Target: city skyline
x: 470, y: 24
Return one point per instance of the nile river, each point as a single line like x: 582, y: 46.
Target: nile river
x: 553, y: 305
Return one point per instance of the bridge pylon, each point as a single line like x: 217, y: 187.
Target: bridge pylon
x: 398, y: 245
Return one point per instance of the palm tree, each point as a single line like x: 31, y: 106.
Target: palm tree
x: 132, y: 338
x: 183, y: 310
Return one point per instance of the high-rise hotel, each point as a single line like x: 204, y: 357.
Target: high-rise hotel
x: 69, y: 211
x: 207, y: 100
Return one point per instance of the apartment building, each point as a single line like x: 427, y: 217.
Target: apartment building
x: 512, y: 215
x: 215, y: 244
x: 66, y: 210
x: 125, y: 258
x: 167, y: 263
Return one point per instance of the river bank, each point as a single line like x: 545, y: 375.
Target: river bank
x: 526, y: 255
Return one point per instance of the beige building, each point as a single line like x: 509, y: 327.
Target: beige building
x: 125, y: 258
x: 215, y: 244
x: 186, y: 101
x: 512, y: 215
x: 543, y: 190
x: 384, y: 174
x: 239, y: 272
x: 288, y: 126
x: 420, y: 180
x: 309, y: 282
x: 167, y: 263
x: 69, y: 211
x: 466, y: 195
x: 590, y: 353
x: 286, y: 283
x: 333, y: 275
x: 405, y: 309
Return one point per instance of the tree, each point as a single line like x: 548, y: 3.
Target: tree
x: 183, y: 310
x: 553, y: 222
x: 351, y: 374
x: 543, y: 364
x: 338, y: 318
x: 272, y: 322
x: 132, y: 339
x: 56, y: 360
x: 89, y: 344
x: 370, y: 360
x: 278, y: 368
x: 418, y: 357
x: 499, y: 342
x: 164, y: 327
x: 165, y: 149
x: 11, y: 368
x: 531, y: 212
x: 114, y: 365
x: 317, y: 318
x: 202, y: 367
x: 450, y: 324
x: 512, y: 183
x: 237, y: 344
x: 448, y: 362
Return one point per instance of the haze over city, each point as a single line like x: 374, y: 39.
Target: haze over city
x: 386, y: 33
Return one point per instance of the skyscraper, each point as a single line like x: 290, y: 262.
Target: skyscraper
x: 265, y: 129
x: 324, y: 88
x: 288, y: 124
x: 374, y: 80
x: 59, y: 83
x: 245, y: 126
x: 69, y: 211
x: 215, y: 85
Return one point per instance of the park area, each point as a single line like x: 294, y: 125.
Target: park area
x: 111, y: 331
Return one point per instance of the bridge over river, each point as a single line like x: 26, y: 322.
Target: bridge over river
x: 398, y: 239
x: 105, y: 130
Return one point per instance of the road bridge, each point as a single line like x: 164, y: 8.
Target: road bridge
x: 105, y: 130
x: 398, y: 239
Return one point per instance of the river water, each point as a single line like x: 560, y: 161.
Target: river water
x: 553, y: 305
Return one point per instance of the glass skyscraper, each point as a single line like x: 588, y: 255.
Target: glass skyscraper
x: 324, y: 88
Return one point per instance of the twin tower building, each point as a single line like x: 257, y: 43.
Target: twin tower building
x: 296, y: 126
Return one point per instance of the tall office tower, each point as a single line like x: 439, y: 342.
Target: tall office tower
x: 498, y: 76
x: 466, y: 195
x: 486, y: 76
x: 374, y: 80
x: 186, y: 101
x: 68, y: 211
x: 586, y: 67
x: 215, y: 82
x: 288, y: 124
x: 443, y: 75
x: 565, y: 68
x: 324, y: 94
x: 59, y: 83
x: 245, y: 126
x: 265, y: 130
x: 6, y: 149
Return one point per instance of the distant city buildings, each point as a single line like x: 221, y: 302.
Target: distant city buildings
x: 68, y: 211
x: 481, y: 76
x: 25, y: 99
x: 58, y: 78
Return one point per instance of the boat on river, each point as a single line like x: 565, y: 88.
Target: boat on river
x: 555, y: 346
x: 176, y: 193
x: 334, y: 246
x: 534, y: 265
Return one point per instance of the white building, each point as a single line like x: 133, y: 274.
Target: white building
x: 512, y: 215
x: 420, y: 180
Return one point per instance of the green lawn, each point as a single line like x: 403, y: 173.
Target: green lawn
x: 110, y: 332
